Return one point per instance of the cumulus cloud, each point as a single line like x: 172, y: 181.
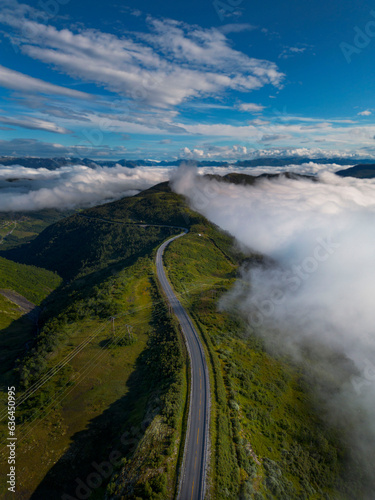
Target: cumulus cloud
x: 313, y: 300
x: 367, y: 112
x: 240, y: 151
x: 27, y: 189
x: 291, y: 51
x: 250, y: 106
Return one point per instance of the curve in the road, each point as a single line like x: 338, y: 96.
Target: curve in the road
x: 195, y: 460
x: 193, y: 471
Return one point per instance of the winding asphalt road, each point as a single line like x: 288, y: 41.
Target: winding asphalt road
x: 193, y: 472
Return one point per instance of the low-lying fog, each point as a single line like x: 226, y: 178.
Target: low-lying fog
x: 315, y: 298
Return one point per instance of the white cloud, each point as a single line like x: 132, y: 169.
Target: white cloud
x: 215, y: 152
x: 35, y: 124
x: 173, y: 63
x: 291, y: 51
x: 334, y: 135
x: 258, y: 122
x: 18, y: 81
x: 367, y: 112
x: 235, y: 28
x: 72, y: 186
x: 309, y: 168
x: 317, y: 295
x: 249, y: 106
x: 81, y: 186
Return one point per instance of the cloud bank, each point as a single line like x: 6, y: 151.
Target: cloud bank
x: 24, y: 189
x: 314, y: 299
x: 27, y: 189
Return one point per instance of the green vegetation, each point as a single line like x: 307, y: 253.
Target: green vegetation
x: 77, y: 245
x: 96, y: 387
x: 268, y: 440
x: 157, y: 205
x: 91, y: 380
x: 21, y: 227
x: 100, y: 386
x: 84, y: 243
x: 18, y: 316
x: 150, y: 469
x: 34, y: 283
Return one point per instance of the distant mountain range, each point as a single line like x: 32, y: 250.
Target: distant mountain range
x: 362, y: 171
x: 53, y: 163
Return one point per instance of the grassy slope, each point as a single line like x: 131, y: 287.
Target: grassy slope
x: 16, y: 329
x: 78, y: 245
x: 104, y: 391
x: 131, y: 388
x: 35, y: 284
x: 267, y: 438
x: 25, y: 226
x: 78, y: 416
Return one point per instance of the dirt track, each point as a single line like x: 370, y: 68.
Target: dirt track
x: 18, y: 299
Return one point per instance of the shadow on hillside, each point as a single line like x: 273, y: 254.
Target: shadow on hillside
x: 78, y: 245
x: 20, y: 336
x: 96, y: 442
x: 82, y: 287
x: 15, y: 339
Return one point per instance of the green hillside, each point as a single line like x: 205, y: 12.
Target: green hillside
x: 88, y: 381
x: 21, y: 227
x: 22, y: 288
x: 85, y: 242
x: 34, y: 283
x: 95, y: 388
x: 268, y: 440
x: 157, y: 205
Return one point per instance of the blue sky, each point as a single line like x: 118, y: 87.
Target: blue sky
x: 229, y: 79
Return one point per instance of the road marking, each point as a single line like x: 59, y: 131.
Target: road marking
x: 191, y: 337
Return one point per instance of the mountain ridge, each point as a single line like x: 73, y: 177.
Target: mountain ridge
x: 360, y: 171
x: 57, y: 162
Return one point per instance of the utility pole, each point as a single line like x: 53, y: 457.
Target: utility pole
x: 129, y: 328
x: 113, y: 326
